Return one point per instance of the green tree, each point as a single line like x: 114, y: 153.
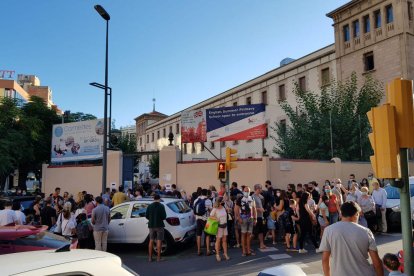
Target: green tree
x: 127, y: 144
x: 155, y: 166
x: 341, y: 107
x: 79, y: 116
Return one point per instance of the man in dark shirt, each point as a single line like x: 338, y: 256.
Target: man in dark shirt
x: 48, y: 214
x: 156, y: 215
x: 234, y: 191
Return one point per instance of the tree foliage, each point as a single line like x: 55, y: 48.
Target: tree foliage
x: 155, y: 166
x: 78, y: 117
x: 127, y: 144
x: 340, y: 106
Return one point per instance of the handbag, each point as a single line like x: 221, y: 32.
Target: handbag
x: 369, y: 215
x: 211, y: 227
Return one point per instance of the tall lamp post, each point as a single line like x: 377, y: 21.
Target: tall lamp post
x: 101, y: 86
x: 102, y: 12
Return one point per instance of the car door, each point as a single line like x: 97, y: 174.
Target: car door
x: 136, y: 226
x: 117, y: 225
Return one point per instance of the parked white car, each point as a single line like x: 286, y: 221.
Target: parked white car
x: 393, y: 205
x: 55, y: 262
x: 129, y: 225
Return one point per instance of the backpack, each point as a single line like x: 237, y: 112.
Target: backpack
x: 200, y: 207
x: 244, y: 207
x: 82, y: 230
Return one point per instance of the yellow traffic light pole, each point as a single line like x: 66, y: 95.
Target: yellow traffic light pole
x: 392, y: 135
x: 230, y: 165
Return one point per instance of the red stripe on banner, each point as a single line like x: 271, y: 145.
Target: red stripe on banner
x: 248, y: 134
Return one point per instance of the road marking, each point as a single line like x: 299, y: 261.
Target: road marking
x: 280, y: 256
x: 300, y: 264
x: 269, y: 249
x: 249, y: 261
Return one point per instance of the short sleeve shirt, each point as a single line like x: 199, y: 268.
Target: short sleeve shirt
x: 258, y: 201
x: 101, y: 217
x: 351, y: 242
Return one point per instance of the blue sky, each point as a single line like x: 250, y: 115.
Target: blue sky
x: 177, y: 51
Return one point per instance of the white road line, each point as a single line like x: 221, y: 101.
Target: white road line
x: 249, y: 261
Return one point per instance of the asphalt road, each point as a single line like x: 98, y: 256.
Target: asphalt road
x: 185, y: 261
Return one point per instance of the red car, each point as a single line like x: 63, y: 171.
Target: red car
x: 22, y: 238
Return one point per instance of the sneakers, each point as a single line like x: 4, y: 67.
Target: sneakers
x: 317, y: 250
x: 303, y: 251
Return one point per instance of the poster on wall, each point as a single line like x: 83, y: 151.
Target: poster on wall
x: 193, y: 126
x: 77, y: 141
x: 244, y: 122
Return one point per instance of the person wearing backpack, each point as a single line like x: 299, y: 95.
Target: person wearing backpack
x: 84, y: 231
x: 202, y: 208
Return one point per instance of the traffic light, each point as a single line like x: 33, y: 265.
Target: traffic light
x: 230, y: 158
x: 383, y: 138
x: 400, y: 95
x: 221, y: 170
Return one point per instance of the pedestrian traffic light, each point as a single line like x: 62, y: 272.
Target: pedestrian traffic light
x: 230, y: 158
x: 383, y: 138
x: 221, y: 170
x: 400, y: 95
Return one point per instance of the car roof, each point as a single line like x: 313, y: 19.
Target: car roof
x: 151, y: 199
x: 28, y: 261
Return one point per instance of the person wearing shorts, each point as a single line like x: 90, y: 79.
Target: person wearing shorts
x: 245, y: 213
x: 290, y: 225
x: 156, y: 215
x: 201, y: 221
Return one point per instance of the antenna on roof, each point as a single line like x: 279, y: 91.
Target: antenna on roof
x: 153, y: 104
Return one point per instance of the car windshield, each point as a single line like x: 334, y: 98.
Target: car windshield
x: 394, y: 193
x: 179, y: 207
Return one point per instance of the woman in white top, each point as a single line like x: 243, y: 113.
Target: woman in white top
x: 67, y: 221
x: 20, y: 216
x: 323, y: 217
x: 219, y: 213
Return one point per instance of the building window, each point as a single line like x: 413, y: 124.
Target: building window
x: 185, y: 148
x: 369, y: 61
x: 147, y: 138
x: 235, y: 142
x: 193, y: 148
x: 211, y: 145
x: 158, y: 134
x: 355, y: 26
x: 282, y: 93
x: 264, y: 97
x: 222, y: 144
x: 302, y: 83
x: 410, y: 10
x: 170, y: 130
x: 249, y: 141
x: 140, y: 141
x: 249, y: 100
x: 152, y: 137
x: 235, y: 104
x: 202, y: 146
x: 163, y: 133
x: 377, y: 17
x: 177, y: 129
x: 367, y: 24
x: 346, y: 33
x: 389, y: 13
x: 325, y: 76
x: 282, y: 125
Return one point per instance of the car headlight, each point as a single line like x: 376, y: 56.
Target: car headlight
x: 396, y: 208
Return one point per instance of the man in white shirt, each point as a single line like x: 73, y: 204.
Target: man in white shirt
x: 8, y: 216
x: 380, y: 198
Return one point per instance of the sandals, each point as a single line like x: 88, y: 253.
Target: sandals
x: 226, y: 257
x: 218, y: 257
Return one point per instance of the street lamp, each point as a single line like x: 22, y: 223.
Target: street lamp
x: 101, y: 86
x: 106, y: 17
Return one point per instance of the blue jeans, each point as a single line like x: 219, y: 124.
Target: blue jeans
x: 333, y: 217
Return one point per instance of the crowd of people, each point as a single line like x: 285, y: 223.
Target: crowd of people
x: 288, y: 216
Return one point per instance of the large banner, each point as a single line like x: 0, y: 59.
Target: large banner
x: 244, y: 122
x: 77, y: 141
x: 193, y: 126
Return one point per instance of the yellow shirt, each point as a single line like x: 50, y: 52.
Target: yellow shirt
x: 118, y: 198
x: 370, y: 184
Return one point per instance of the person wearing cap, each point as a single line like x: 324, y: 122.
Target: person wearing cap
x: 156, y: 215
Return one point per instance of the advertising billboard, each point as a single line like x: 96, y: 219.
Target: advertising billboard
x: 77, y: 141
x: 193, y: 126
x: 244, y: 122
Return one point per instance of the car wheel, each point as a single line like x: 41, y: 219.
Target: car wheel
x: 166, y: 244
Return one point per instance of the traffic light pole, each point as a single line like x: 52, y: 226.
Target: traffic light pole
x: 228, y: 183
x: 406, y: 221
